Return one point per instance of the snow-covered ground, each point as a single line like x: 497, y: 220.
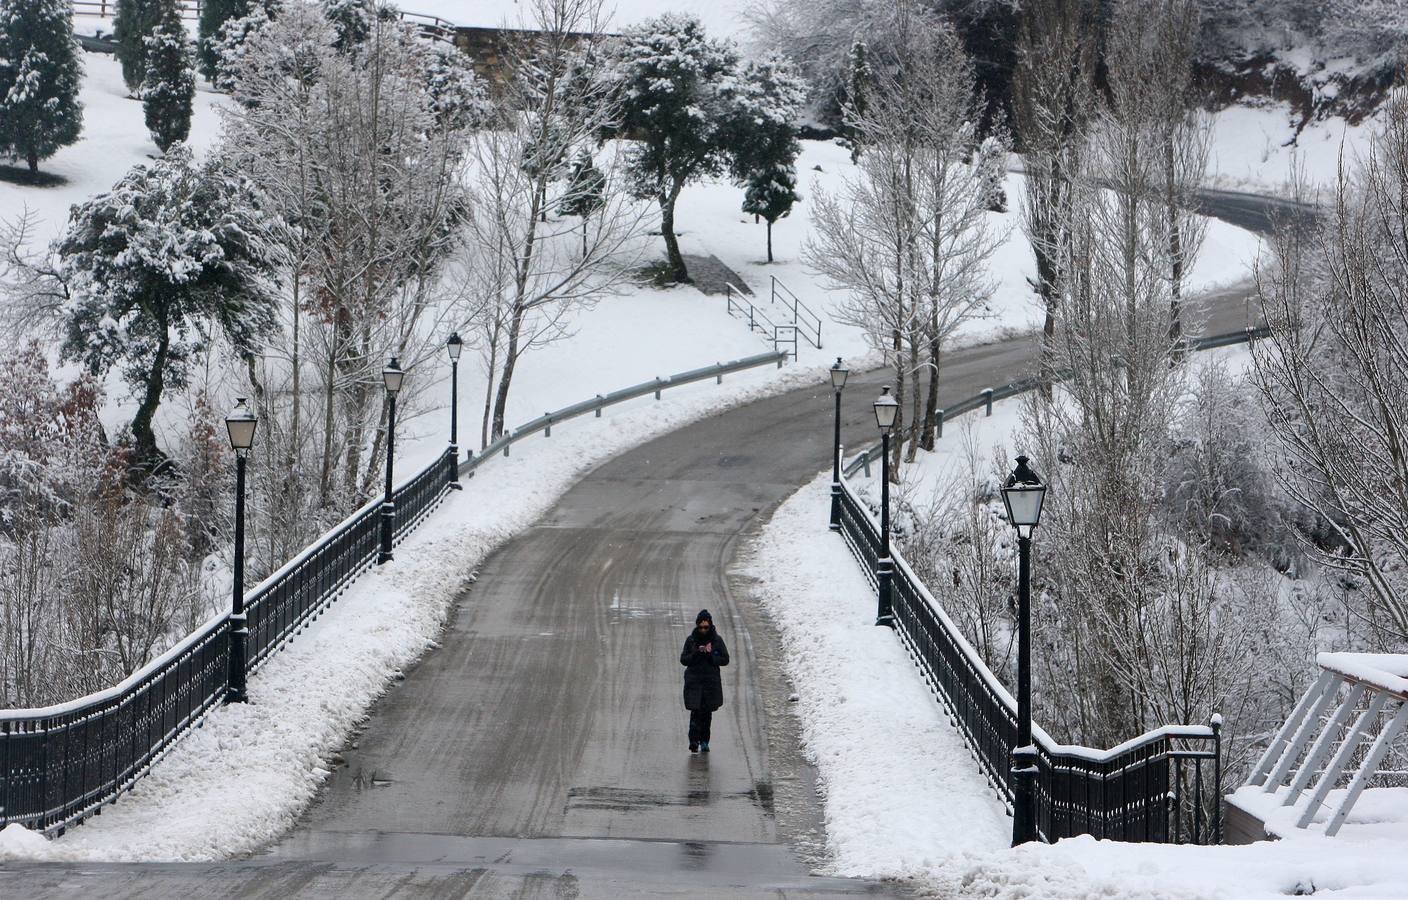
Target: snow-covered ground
x: 901, y: 789
x: 973, y: 433
x: 1257, y: 148
x: 241, y: 779
x: 903, y: 798
x: 639, y: 334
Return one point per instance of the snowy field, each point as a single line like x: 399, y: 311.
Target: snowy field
x: 1257, y: 149
x: 637, y: 335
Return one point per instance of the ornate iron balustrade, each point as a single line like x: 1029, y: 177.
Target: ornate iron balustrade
x: 59, y: 764
x: 1156, y: 787
x: 1164, y: 786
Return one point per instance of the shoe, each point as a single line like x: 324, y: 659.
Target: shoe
x: 703, y: 746
x: 694, y: 747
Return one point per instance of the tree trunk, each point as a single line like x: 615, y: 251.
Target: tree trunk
x: 148, y: 457
x: 510, y: 361
x: 915, y: 341
x: 1175, y: 248
x: 1046, y: 286
x: 667, y: 230
x: 584, y: 237
x: 931, y: 405
x: 769, y: 240
x: 32, y: 157
x: 898, y: 442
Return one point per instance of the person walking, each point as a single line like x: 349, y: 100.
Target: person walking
x: 704, y: 652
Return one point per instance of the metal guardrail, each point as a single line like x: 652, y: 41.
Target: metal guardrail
x: 59, y: 764
x: 429, y: 26
x: 546, y: 421
x: 190, y: 9
x: 985, y: 398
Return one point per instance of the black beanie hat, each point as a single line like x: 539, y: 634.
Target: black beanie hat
x: 703, y: 616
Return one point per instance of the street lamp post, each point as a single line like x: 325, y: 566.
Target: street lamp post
x: 241, y: 424
x: 454, y: 345
x: 1022, y: 495
x: 391, y: 376
x: 838, y: 382
x: 886, y: 411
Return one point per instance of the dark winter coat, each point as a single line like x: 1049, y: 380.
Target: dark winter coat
x: 703, y: 688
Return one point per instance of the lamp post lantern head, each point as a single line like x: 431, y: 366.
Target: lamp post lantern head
x: 241, y: 423
x: 1022, y: 495
x: 454, y: 345
x: 838, y: 375
x: 887, y: 409
x: 392, y: 376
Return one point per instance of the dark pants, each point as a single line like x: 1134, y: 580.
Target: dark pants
x: 699, y: 721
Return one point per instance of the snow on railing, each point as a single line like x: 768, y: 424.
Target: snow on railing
x: 60, y: 763
x: 1135, y: 790
x: 1318, y: 745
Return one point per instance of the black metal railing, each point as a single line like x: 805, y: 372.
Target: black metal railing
x: 1164, y: 786
x: 59, y: 764
x: 1157, y: 787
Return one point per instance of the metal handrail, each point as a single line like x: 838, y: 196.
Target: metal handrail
x: 1136, y: 791
x: 189, y: 9
x: 758, y: 320
x: 798, y: 309
x: 59, y: 764
x: 428, y: 25
x: 546, y: 421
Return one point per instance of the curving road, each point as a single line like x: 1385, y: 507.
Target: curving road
x: 541, y: 750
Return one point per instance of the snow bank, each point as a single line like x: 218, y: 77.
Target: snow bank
x: 905, y: 799
x: 242, y: 778
x: 903, y: 794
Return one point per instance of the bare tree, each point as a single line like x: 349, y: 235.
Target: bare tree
x: 1333, y: 375
x: 1104, y: 438
x: 1171, y: 29
x: 907, y: 238
x: 532, y: 272
x: 360, y: 144
x: 1053, y: 98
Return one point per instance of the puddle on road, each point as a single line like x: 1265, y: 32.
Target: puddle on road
x: 619, y: 799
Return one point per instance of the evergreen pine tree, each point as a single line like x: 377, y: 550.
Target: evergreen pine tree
x: 586, y: 191
x: 131, y: 24
x: 170, y: 86
x: 40, y: 74
x: 858, y: 81
x: 213, y: 15
x: 770, y: 193
x: 765, y: 146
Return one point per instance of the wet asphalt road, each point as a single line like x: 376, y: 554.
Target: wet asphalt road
x: 540, y: 751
